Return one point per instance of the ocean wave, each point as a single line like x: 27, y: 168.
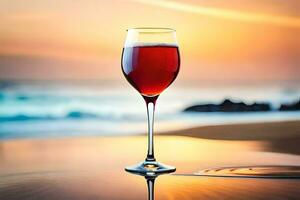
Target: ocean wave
x: 22, y: 117
x: 59, y: 97
x: 71, y: 115
x: 20, y: 97
x: 2, y: 96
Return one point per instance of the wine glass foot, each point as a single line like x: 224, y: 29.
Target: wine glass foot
x: 150, y: 168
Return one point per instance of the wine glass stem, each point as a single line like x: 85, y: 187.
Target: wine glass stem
x: 150, y: 113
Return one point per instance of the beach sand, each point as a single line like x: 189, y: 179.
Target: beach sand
x: 93, y: 167
x: 282, y: 136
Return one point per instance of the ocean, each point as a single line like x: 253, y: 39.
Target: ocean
x: 47, y: 109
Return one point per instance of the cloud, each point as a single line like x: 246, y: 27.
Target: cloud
x: 279, y: 20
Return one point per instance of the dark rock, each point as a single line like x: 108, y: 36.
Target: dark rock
x: 290, y: 107
x: 229, y: 106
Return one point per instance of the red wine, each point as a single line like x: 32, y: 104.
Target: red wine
x: 150, y: 68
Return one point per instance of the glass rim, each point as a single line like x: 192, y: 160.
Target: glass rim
x: 152, y: 29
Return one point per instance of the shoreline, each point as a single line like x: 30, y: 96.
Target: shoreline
x: 279, y: 137
x: 243, y: 131
x: 269, y: 130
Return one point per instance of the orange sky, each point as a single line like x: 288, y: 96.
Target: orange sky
x: 83, y: 39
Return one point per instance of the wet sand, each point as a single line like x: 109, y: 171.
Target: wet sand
x: 93, y: 168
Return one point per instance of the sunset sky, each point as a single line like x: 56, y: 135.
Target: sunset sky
x: 83, y: 39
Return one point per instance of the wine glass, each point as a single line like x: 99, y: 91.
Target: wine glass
x: 150, y: 63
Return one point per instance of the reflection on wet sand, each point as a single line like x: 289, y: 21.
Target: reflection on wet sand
x: 193, y: 187
x: 93, y: 168
x: 274, y: 172
x: 90, y: 185
x: 199, y: 186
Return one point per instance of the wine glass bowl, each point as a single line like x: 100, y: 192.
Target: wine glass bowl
x: 150, y: 68
x: 150, y: 63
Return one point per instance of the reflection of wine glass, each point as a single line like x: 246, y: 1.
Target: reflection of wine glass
x: 150, y: 186
x: 150, y: 63
x: 150, y: 179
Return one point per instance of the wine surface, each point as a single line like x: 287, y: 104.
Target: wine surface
x: 150, y: 68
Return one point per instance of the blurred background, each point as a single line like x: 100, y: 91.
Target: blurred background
x: 61, y: 76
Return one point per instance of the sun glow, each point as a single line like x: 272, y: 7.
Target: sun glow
x: 226, y: 13
x: 85, y: 39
